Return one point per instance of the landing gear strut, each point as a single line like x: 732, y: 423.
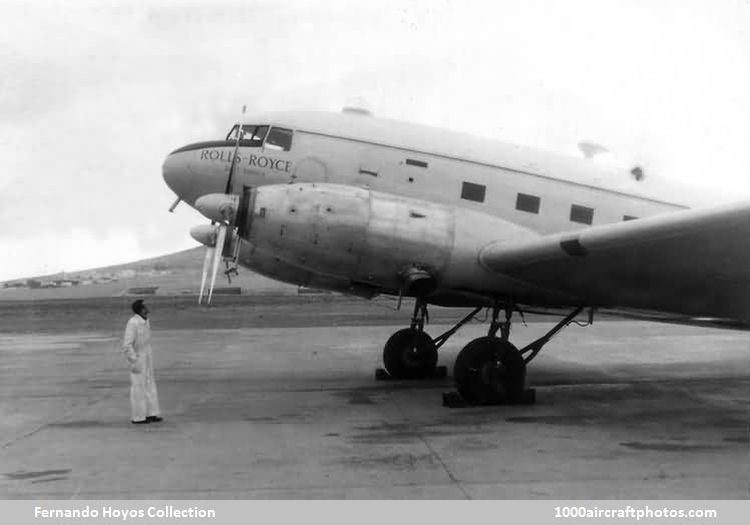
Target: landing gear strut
x: 490, y: 370
x: 411, y: 353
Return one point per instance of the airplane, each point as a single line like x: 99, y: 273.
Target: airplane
x: 367, y: 206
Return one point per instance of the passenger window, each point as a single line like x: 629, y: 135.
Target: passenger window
x: 529, y: 203
x: 252, y: 134
x: 628, y: 218
x: 279, y: 139
x: 417, y: 163
x: 473, y: 192
x: 581, y: 214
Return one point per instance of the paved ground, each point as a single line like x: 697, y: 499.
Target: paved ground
x: 625, y: 410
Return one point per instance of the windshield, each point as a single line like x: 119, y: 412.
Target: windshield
x: 279, y: 139
x: 250, y: 132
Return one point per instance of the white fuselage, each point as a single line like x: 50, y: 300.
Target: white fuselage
x: 470, y: 191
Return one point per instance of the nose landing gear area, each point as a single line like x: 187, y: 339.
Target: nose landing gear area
x: 489, y: 370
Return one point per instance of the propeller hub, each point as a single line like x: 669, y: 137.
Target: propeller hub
x: 205, y: 234
x: 218, y: 207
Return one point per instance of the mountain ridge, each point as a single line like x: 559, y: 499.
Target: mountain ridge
x: 177, y: 273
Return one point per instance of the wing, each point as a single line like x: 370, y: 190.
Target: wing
x: 692, y: 263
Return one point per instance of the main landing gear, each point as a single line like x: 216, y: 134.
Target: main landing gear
x: 489, y: 370
x: 411, y: 353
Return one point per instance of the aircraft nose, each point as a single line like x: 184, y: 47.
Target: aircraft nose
x: 172, y: 170
x: 177, y: 175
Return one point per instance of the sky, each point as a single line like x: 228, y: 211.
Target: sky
x: 94, y: 95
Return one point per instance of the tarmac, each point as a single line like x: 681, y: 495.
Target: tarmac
x: 624, y: 409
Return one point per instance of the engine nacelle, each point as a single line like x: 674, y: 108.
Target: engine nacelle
x: 269, y: 265
x: 361, y: 241
x: 367, y: 237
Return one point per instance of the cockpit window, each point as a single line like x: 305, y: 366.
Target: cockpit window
x: 279, y: 139
x: 250, y: 132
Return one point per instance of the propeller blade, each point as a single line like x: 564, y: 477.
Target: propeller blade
x: 206, y: 262
x: 217, y: 258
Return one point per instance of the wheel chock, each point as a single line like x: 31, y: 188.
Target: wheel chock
x: 440, y: 372
x: 455, y: 400
x: 528, y: 397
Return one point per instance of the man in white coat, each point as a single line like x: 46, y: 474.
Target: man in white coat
x: 144, y: 400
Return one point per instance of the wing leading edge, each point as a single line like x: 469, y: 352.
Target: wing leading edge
x: 691, y: 263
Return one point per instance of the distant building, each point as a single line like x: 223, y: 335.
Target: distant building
x: 66, y: 282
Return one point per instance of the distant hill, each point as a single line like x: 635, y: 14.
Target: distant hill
x: 174, y: 274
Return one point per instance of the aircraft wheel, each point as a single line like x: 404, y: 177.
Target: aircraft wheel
x: 410, y: 354
x: 490, y: 371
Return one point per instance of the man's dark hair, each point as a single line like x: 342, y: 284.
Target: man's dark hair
x: 137, y: 305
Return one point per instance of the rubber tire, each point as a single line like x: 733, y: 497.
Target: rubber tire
x: 480, y: 382
x: 410, y: 354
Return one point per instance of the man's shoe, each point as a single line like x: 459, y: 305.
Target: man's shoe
x: 154, y: 419
x: 141, y: 422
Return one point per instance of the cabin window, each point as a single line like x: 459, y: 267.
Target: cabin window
x: 581, y: 214
x: 473, y: 192
x: 279, y: 139
x: 628, y: 218
x: 528, y: 203
x: 252, y: 134
x: 417, y: 163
